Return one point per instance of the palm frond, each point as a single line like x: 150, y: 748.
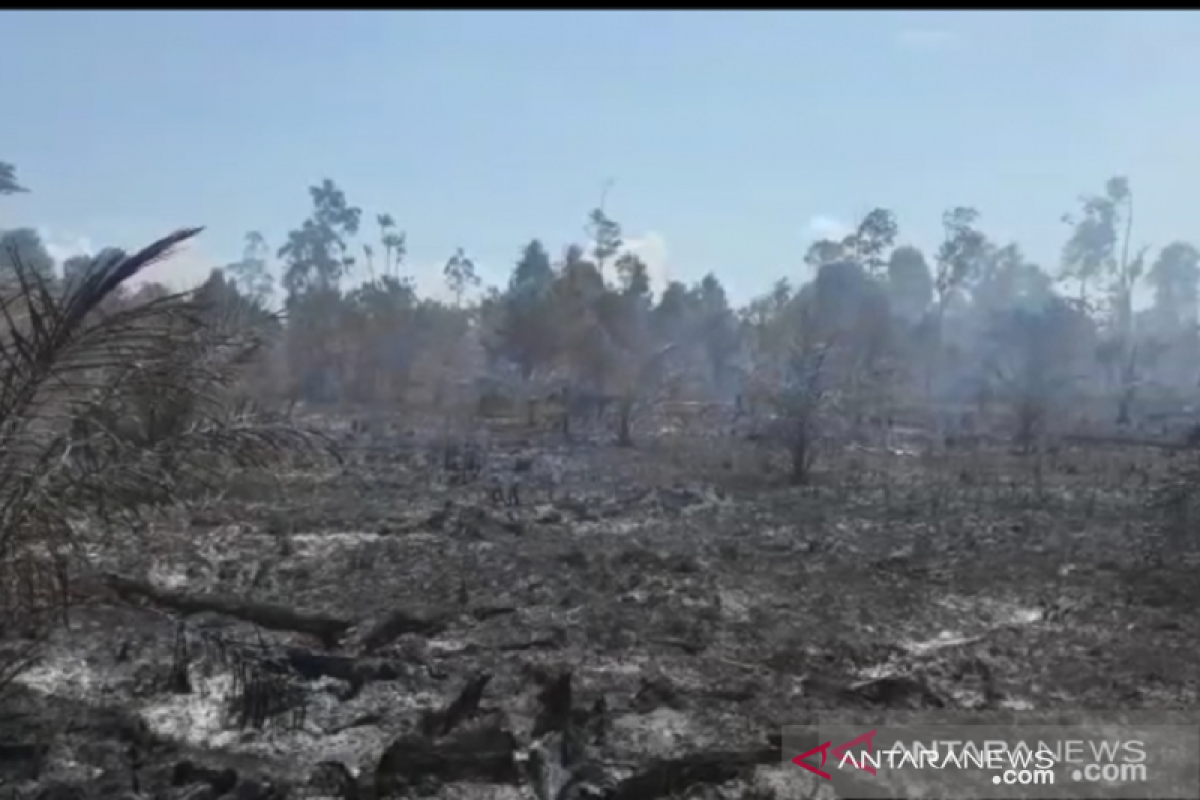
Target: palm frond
x: 110, y: 407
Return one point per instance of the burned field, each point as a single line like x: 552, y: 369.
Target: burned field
x: 453, y: 620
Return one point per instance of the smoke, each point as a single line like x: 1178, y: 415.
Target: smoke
x: 651, y: 248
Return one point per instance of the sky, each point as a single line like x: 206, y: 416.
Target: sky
x: 728, y: 140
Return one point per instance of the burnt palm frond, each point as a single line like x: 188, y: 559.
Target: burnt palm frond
x: 264, y: 692
x: 110, y: 407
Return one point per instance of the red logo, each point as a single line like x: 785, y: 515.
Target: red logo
x: 837, y: 752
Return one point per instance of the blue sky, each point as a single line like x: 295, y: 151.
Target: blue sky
x: 732, y: 137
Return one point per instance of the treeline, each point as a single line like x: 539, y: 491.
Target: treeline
x: 971, y: 321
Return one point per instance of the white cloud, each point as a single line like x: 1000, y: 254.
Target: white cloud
x: 927, y: 40
x: 430, y: 281
x: 62, y: 246
x: 651, y: 248
x: 823, y: 226
x: 186, y: 268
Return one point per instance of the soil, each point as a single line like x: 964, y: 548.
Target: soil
x: 663, y: 610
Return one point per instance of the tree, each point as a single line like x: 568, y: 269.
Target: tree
x: 251, y: 274
x: 958, y: 256
x: 316, y: 255
x: 577, y: 296
x: 717, y: 331
x: 1175, y: 277
x: 1034, y: 362
x: 1008, y: 280
x: 533, y: 273
x: 395, y: 245
x: 818, y: 357
x: 460, y: 275
x: 635, y: 359
x: 8, y: 180
x: 788, y: 375
x: 523, y: 324
x: 958, y: 260
x: 1099, y: 250
x: 870, y: 242
x: 822, y: 252
x: 24, y: 245
x: 606, y: 237
x: 1090, y: 252
x: 867, y: 245
x: 850, y: 311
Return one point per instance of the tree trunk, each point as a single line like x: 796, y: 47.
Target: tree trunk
x: 625, y: 424
x: 801, y: 452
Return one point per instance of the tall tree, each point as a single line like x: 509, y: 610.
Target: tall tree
x: 958, y: 261
x: 606, y: 237
x: 460, y: 275
x: 869, y: 243
x: 317, y: 254
x: 1175, y: 277
x: 315, y: 258
x: 525, y: 329
x: 1098, y: 251
x: 717, y: 332
x: 1090, y: 254
x: 252, y: 274
x: 958, y: 256
x: 395, y: 245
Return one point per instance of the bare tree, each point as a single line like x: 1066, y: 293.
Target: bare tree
x: 790, y: 377
x: 1033, y: 366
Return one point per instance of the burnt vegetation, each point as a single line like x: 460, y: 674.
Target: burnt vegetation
x: 293, y: 534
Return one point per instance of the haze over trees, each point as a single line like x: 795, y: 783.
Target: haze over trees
x: 860, y: 328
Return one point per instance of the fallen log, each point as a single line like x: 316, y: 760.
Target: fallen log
x: 441, y: 723
x: 327, y: 629
x: 667, y: 777
x: 373, y: 634
x: 479, y: 755
x: 312, y: 666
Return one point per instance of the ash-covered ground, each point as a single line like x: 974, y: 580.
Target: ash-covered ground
x: 691, y: 601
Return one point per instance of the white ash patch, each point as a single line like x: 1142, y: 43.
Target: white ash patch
x: 942, y: 641
x: 993, y: 611
x: 321, y: 545
x: 783, y: 783
x: 201, y: 717
x: 65, y: 675
x: 736, y: 606
x: 197, y: 718
x: 168, y: 576
x: 632, y: 667
x: 659, y: 734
